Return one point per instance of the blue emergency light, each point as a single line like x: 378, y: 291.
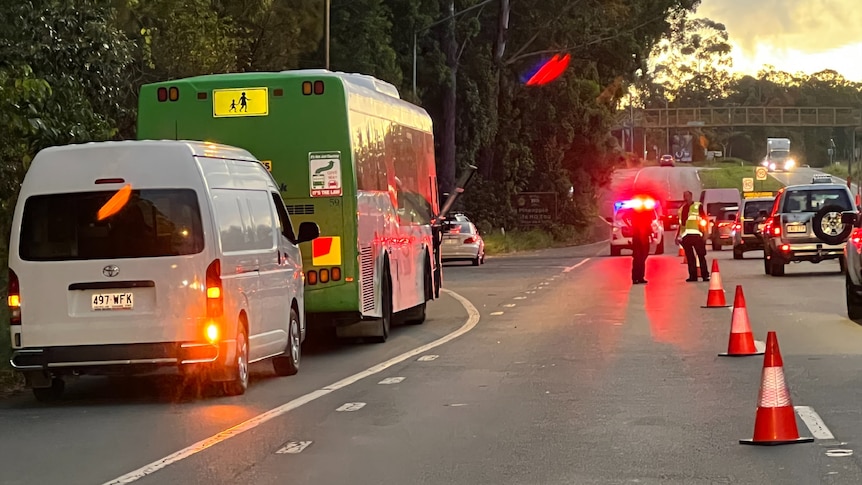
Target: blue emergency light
x: 636, y: 203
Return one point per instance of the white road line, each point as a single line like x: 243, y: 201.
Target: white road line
x: 472, y: 321
x: 510, y: 305
x: 293, y: 447
x: 574, y: 267
x: 815, y: 424
x: 392, y: 380
x: 427, y: 358
x: 496, y: 314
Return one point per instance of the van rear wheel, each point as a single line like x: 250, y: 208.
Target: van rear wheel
x: 239, y: 385
x: 288, y: 364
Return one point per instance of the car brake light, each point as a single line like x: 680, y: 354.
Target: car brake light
x: 13, y: 300
x: 856, y: 239
x: 785, y: 247
x: 469, y: 240
x: 215, y: 299
x: 776, y: 231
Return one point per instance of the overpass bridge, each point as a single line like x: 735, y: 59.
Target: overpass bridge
x: 740, y: 116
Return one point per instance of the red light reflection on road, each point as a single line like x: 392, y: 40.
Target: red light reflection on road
x: 666, y: 307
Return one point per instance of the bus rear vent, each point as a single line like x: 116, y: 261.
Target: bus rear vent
x: 304, y: 209
x: 366, y: 278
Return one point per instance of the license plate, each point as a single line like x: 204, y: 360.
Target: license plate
x: 797, y: 229
x: 112, y: 301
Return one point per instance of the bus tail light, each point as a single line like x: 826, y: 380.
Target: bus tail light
x: 14, y: 299
x: 162, y: 94
x: 215, y: 298
x: 318, y: 87
x: 173, y: 93
x: 309, y: 88
x: 311, y: 277
x: 324, y: 275
x: 335, y: 274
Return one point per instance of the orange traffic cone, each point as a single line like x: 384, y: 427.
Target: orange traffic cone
x: 741, y: 341
x: 715, y: 297
x: 681, y: 253
x: 775, y: 421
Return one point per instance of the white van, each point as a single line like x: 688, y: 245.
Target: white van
x: 132, y: 257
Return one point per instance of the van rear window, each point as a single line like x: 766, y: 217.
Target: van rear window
x: 153, y: 223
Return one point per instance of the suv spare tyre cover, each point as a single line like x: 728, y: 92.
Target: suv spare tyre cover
x: 835, y: 232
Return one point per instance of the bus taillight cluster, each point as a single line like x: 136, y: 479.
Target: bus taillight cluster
x: 324, y: 275
x: 309, y: 88
x: 172, y: 93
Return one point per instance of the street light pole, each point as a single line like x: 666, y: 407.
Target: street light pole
x: 433, y: 24
x: 328, y: 4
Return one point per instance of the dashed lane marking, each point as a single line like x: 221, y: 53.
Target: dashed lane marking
x: 427, y: 358
x: 149, y: 469
x: 392, y: 380
x: 293, y: 447
x: 815, y: 424
x: 349, y: 407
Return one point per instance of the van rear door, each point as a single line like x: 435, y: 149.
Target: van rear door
x: 111, y: 266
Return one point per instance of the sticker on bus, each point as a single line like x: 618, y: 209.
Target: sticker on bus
x: 324, y: 168
x: 240, y: 102
x: 326, y: 251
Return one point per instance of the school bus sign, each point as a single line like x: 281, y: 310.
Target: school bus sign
x: 229, y: 103
x: 535, y: 208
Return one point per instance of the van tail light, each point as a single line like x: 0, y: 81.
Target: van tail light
x: 785, y: 247
x: 723, y: 224
x: 469, y: 240
x: 776, y: 230
x: 13, y: 300
x: 215, y: 296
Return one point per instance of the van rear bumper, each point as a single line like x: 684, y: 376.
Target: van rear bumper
x: 91, y: 357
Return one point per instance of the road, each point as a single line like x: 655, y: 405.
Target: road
x: 803, y: 175
x: 561, y: 373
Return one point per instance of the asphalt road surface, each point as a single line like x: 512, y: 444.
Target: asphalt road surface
x: 559, y: 372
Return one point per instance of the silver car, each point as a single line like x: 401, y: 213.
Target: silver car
x: 463, y: 243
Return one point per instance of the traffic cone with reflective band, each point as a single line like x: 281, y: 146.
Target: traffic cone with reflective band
x: 741, y: 341
x: 775, y: 421
x: 715, y: 297
x: 682, y: 253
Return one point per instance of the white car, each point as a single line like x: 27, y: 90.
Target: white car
x: 621, y: 231
x: 463, y: 243
x: 140, y: 256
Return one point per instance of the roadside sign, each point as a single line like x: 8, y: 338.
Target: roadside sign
x: 755, y: 195
x: 760, y: 173
x: 748, y: 184
x: 536, y: 208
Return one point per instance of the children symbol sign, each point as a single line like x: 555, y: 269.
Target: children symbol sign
x: 240, y: 102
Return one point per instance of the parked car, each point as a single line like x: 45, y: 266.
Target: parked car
x: 806, y: 224
x: 138, y: 256
x: 462, y: 242
x: 749, y: 223
x: 666, y: 161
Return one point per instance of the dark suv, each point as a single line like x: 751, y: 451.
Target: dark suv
x: 806, y: 224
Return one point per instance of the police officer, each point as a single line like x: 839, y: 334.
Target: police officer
x: 640, y: 219
x: 690, y: 235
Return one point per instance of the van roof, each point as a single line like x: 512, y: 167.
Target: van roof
x: 144, y: 163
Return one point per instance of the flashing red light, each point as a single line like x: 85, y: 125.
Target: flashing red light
x: 856, y: 239
x: 550, y: 70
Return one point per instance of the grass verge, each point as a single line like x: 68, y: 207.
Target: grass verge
x: 841, y: 171
x: 731, y: 178
x: 512, y: 241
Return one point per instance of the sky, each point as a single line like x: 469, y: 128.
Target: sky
x: 792, y: 35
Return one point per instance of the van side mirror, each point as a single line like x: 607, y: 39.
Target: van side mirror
x: 849, y: 218
x: 308, y: 231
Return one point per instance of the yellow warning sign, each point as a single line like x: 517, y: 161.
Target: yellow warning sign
x: 267, y: 164
x: 326, y: 251
x: 240, y: 102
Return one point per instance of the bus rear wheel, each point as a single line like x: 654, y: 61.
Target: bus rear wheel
x: 385, y: 307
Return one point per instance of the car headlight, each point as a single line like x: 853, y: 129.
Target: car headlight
x: 789, y: 164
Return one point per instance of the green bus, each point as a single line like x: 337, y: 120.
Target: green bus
x: 347, y: 153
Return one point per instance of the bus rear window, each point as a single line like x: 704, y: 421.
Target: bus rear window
x: 153, y: 223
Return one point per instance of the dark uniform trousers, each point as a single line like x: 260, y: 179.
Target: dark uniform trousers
x: 640, y: 251
x: 692, y: 243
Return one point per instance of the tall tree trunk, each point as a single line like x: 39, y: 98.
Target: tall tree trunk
x: 447, y: 160
x: 488, y: 154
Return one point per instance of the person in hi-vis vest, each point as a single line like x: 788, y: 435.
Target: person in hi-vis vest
x: 692, y: 220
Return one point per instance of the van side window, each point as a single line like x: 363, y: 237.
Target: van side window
x: 244, y: 220
x: 284, y: 225
x: 261, y: 226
